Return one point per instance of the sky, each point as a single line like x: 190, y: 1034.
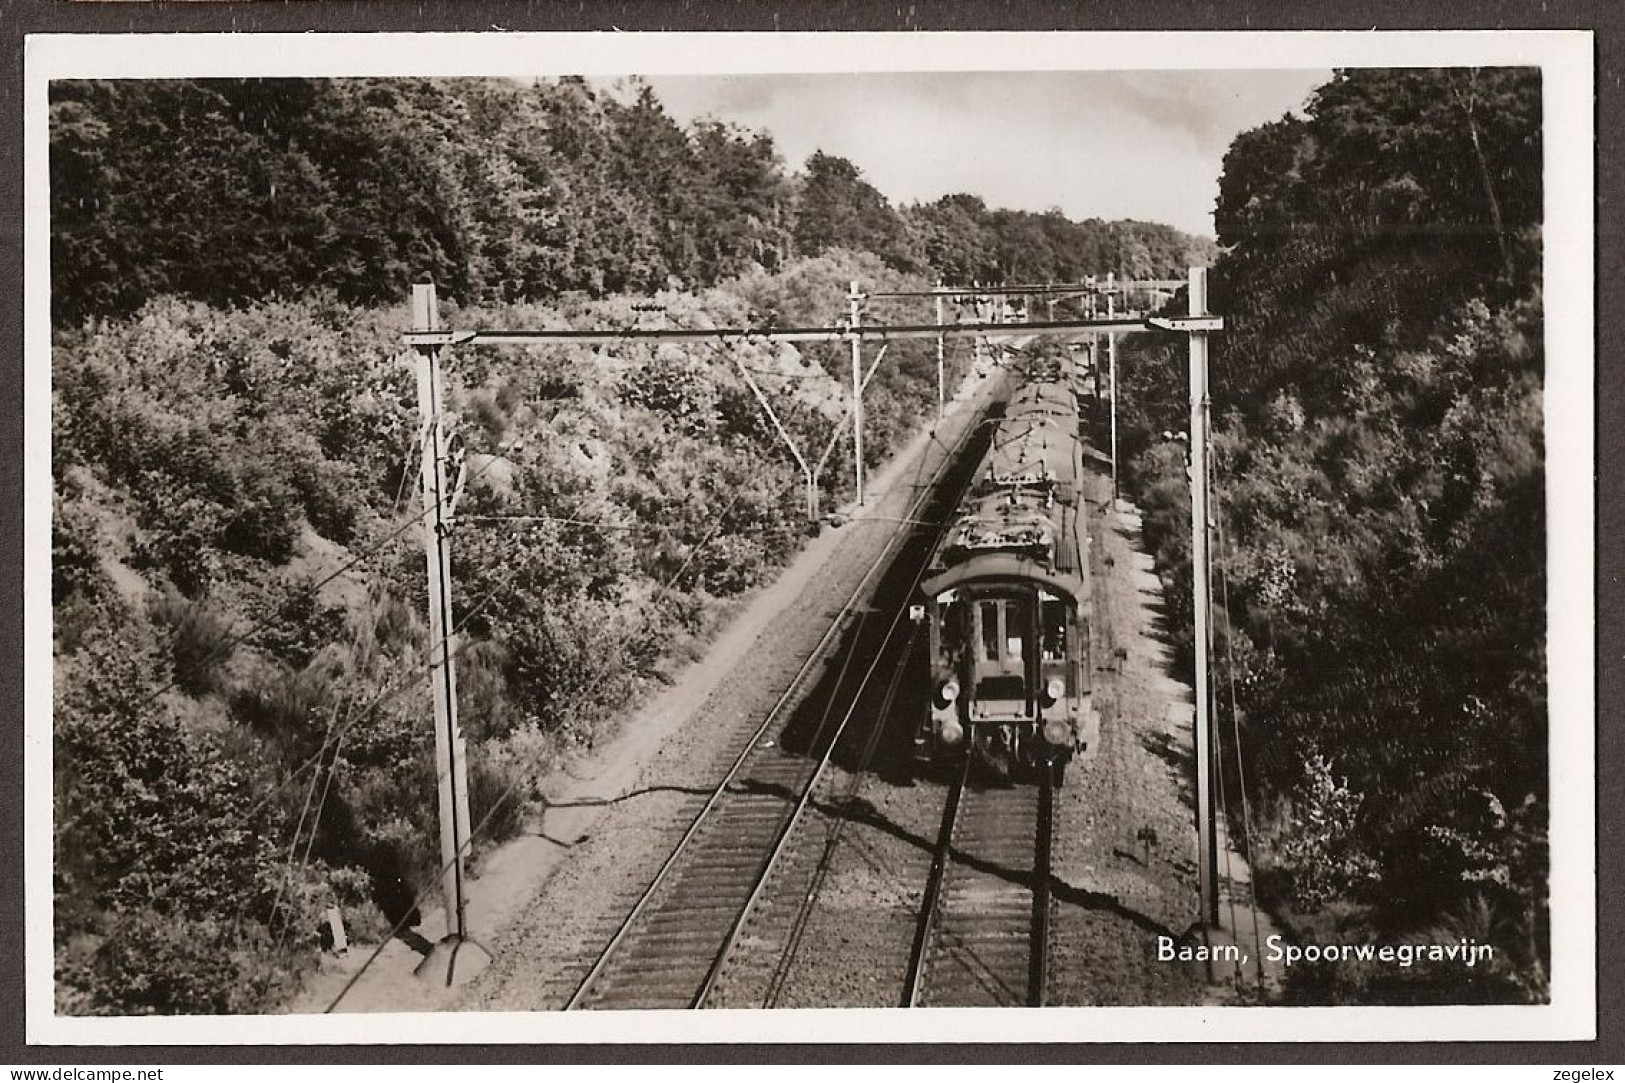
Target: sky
x: 1135, y: 144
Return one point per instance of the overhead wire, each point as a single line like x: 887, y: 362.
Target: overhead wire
x: 332, y: 762
x: 1208, y: 708
x: 513, y: 784
x: 334, y: 739
x: 507, y: 793
x: 231, y: 642
x: 298, y: 830
x: 384, y: 697
x: 406, y: 465
x: 237, y: 639
x: 1218, y: 778
x: 566, y: 520
x: 837, y: 431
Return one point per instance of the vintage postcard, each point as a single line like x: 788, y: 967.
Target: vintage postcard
x: 944, y: 537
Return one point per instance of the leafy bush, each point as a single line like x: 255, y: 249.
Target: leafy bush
x: 497, y: 795
x: 76, y: 547
x: 200, y: 642
x: 298, y: 624
x: 291, y: 708
x: 159, y: 837
x: 1322, y: 848
x: 164, y: 964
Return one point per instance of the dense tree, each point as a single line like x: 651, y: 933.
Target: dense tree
x: 964, y: 241
x: 837, y: 208
x: 953, y: 233
x: 229, y: 191
x: 744, y: 201
x: 1379, y: 452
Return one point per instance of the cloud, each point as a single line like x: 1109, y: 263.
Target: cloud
x: 1135, y: 144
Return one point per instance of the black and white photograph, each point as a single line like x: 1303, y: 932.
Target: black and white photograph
x: 1096, y: 527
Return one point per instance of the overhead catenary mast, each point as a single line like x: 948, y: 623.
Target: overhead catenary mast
x: 1202, y: 647
x: 1198, y: 325
x: 854, y: 305
x: 1111, y: 349
x: 456, y: 958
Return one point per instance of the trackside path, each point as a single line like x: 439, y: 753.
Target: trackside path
x: 1125, y: 864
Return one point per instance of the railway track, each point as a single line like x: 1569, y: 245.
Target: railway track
x: 983, y: 934
x: 787, y: 894
x: 672, y: 947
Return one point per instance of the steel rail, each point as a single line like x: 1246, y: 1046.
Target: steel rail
x: 1038, y: 963
x: 837, y: 624
x: 832, y: 841
x: 930, y: 925
x: 915, y: 980
x: 788, y: 830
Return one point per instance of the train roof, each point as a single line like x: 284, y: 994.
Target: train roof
x: 1024, y: 515
x: 1001, y: 538
x: 1050, y: 397
x: 1035, y: 445
x: 1004, y: 567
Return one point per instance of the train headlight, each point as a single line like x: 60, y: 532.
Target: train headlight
x: 950, y: 732
x: 1054, y: 689
x: 948, y: 693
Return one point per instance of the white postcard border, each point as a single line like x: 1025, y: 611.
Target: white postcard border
x: 1566, y: 59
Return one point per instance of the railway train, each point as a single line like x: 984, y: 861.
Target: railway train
x: 1007, y: 596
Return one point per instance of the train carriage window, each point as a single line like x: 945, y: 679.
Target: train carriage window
x: 948, y: 630
x: 1018, y: 624
x: 988, y: 613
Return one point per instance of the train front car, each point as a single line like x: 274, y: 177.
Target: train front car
x: 1007, y: 600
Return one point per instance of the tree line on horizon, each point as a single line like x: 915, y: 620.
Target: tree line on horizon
x: 234, y: 191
